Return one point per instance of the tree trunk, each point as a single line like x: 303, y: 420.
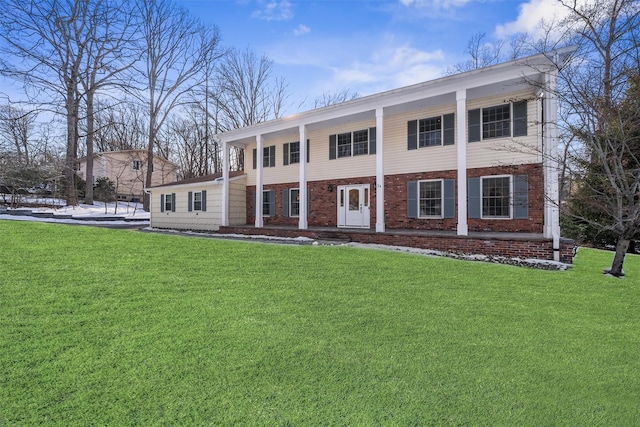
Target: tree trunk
x: 88, y: 192
x: 71, y: 155
x: 618, y: 258
x: 146, y: 205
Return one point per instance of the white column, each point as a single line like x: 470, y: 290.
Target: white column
x: 461, y: 132
x: 380, y: 227
x: 550, y: 164
x: 258, y: 207
x: 302, y: 220
x: 225, y: 183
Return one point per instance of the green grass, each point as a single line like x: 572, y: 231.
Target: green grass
x: 113, y: 327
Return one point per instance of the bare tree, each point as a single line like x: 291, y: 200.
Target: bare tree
x: 246, y: 92
x: 109, y: 46
x: 600, y: 94
x: 177, y: 48
x: 16, y: 126
x: 336, y: 97
x: 120, y: 126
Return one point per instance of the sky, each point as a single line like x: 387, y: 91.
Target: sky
x: 364, y: 46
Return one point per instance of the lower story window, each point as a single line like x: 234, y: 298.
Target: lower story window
x: 496, y: 197
x: 167, y: 203
x: 430, y: 198
x: 294, y: 202
x: 197, y: 201
x: 266, y: 205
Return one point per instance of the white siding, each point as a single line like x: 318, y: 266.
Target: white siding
x: 209, y: 220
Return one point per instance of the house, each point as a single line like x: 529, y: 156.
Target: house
x: 127, y: 170
x: 464, y: 163
x: 194, y: 204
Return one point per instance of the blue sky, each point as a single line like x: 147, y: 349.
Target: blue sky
x: 364, y: 46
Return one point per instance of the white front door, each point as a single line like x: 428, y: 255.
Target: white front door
x: 353, y: 206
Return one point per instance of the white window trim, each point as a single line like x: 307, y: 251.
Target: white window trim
x: 167, y: 201
x: 441, y: 199
x: 511, y: 195
x: 291, y: 202
x: 441, y: 131
x: 193, y: 201
x: 482, y: 138
x: 265, y: 199
x: 351, y: 155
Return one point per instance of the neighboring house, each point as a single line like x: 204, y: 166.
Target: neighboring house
x: 194, y: 204
x: 128, y: 170
x: 465, y: 163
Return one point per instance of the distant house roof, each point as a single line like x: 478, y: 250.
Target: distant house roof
x: 199, y: 179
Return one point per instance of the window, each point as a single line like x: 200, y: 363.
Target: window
x: 268, y: 157
x: 197, y: 200
x: 496, y: 121
x: 294, y: 152
x: 294, y: 202
x: 344, y: 145
x: 135, y: 165
x: 496, y: 197
x: 500, y: 121
x: 435, y: 198
x: 430, y: 198
x: 430, y: 132
x: 361, y: 142
x: 168, y: 202
x: 266, y: 203
x: 348, y: 144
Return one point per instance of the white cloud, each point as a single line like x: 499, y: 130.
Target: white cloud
x: 437, y: 4
x: 274, y: 11
x: 301, y: 30
x: 529, y: 17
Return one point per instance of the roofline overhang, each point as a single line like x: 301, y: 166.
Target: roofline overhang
x: 524, y: 68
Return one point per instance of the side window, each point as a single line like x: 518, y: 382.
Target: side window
x: 135, y: 165
x: 268, y: 158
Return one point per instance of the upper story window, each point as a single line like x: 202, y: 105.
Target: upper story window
x: 431, y: 132
x: 135, y: 165
x: 268, y: 157
x: 349, y: 144
x: 291, y: 153
x: 499, y: 121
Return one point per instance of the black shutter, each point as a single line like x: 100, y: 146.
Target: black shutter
x: 255, y: 158
x: 308, y: 146
x: 520, y: 197
x: 162, y: 203
x: 474, y: 197
x: 204, y: 200
x: 285, y: 202
x: 412, y: 199
x: 332, y: 147
x: 372, y: 140
x: 271, y: 196
x: 173, y: 202
x: 474, y: 125
x: 520, y: 118
x: 412, y: 135
x: 190, y: 201
x: 449, y: 198
x: 285, y: 154
x: 448, y: 125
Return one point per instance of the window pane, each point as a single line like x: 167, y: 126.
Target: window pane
x: 265, y: 203
x: 360, y: 142
x: 344, y: 145
x: 431, y: 198
x: 429, y: 132
x: 294, y: 152
x: 197, y: 201
x: 496, y: 121
x: 496, y: 197
x: 294, y: 202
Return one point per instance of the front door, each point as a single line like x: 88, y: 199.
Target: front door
x: 353, y: 206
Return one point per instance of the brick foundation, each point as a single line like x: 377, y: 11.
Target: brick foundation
x: 515, y: 246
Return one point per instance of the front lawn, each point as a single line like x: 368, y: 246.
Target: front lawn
x: 117, y: 327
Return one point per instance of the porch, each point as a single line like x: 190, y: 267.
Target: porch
x: 507, y: 245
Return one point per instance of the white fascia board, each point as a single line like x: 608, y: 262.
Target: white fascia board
x: 518, y: 69
x: 216, y: 181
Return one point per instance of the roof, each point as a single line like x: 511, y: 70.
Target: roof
x: 477, y: 82
x: 200, y: 179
